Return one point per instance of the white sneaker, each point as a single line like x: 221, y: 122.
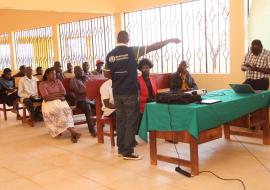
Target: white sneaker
x: 132, y: 157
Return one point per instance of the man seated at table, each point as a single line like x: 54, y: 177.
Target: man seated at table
x: 108, y: 106
x: 21, y: 72
x: 147, y: 84
x: 182, y: 80
x: 28, y: 92
x: 257, y: 66
x: 58, y: 69
x: 78, y: 86
x: 39, y: 73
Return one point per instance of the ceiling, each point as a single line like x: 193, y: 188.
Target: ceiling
x: 84, y: 6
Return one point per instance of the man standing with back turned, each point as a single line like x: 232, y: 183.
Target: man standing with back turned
x: 121, y: 66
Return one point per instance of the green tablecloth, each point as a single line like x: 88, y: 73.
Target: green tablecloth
x: 199, y: 117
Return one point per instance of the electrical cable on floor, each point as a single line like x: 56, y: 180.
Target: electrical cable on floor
x: 224, y: 179
x: 253, y: 155
x: 179, y: 170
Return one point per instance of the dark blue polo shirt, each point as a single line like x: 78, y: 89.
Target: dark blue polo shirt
x: 122, y: 63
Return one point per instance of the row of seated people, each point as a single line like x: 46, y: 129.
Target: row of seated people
x: 9, y: 84
x: 69, y: 73
x: 56, y: 112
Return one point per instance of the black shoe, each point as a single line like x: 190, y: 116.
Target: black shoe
x: 132, y: 157
x: 93, y: 132
x: 120, y: 153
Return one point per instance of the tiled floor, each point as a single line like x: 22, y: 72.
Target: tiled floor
x: 31, y: 160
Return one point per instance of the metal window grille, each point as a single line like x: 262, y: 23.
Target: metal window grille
x: 248, y: 4
x: 5, y: 61
x: 34, y: 47
x: 86, y: 40
x: 203, y: 27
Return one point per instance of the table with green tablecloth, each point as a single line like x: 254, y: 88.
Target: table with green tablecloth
x: 193, y: 119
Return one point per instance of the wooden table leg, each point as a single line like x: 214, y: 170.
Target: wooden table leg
x: 153, y: 147
x: 194, y: 160
x: 227, y: 131
x: 266, y: 132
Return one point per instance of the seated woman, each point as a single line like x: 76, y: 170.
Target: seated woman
x: 182, y: 80
x: 147, y: 85
x: 56, y: 111
x: 8, y: 92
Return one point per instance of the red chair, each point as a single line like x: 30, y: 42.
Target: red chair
x: 93, y: 92
x: 162, y: 80
x: 75, y: 110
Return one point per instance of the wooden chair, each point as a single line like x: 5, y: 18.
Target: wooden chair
x: 35, y: 105
x: 5, y: 109
x: 93, y: 92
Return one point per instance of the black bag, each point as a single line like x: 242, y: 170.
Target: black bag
x: 177, y: 97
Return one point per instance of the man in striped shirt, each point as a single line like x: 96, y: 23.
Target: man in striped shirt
x: 257, y: 66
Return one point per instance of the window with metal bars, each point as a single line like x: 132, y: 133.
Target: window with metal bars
x: 248, y: 4
x: 34, y: 47
x: 202, y: 25
x: 5, y: 61
x: 86, y: 40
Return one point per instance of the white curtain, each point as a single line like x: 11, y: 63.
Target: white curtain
x: 258, y: 22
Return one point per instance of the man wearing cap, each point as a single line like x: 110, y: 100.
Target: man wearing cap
x: 99, y: 65
x: 121, y: 67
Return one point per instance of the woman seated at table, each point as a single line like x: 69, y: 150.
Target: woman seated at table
x: 8, y: 92
x: 147, y: 84
x: 56, y: 111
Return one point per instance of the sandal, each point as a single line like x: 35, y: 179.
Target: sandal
x: 78, y: 136
x: 75, y: 138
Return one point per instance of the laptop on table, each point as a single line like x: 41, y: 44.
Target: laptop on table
x: 243, y: 89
